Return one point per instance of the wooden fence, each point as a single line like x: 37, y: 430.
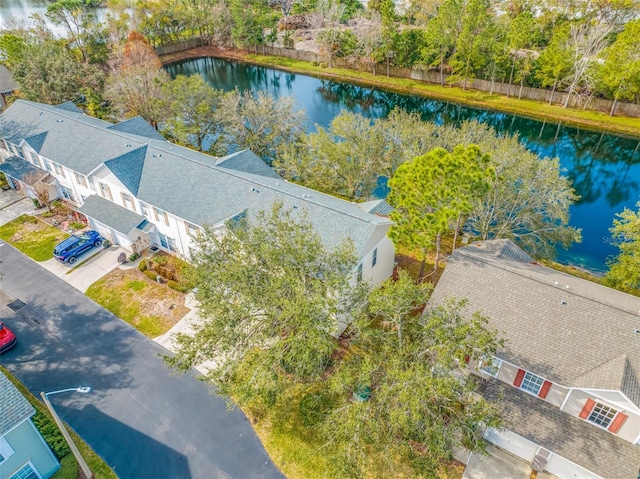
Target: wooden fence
x: 430, y: 76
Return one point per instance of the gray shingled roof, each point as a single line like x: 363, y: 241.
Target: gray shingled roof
x: 574, y: 439
x: 191, y: 185
x: 69, y: 106
x: 73, y: 140
x: 137, y: 126
x: 376, y: 207
x: 14, y: 408
x: 36, y: 141
x: 18, y: 168
x: 7, y: 83
x: 566, y: 329
x: 247, y: 162
x: 128, y: 168
x: 110, y: 214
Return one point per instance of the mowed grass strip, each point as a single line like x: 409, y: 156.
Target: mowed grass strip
x: 32, y: 236
x: 149, y: 307
x: 68, y: 465
x: 524, y: 107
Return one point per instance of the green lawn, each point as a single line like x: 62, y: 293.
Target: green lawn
x: 32, y: 236
x: 68, y: 465
x: 149, y: 307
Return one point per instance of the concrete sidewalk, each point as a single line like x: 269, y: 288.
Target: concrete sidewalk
x: 88, y: 269
x: 13, y: 204
x: 185, y: 325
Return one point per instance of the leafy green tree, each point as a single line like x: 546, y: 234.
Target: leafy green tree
x: 271, y: 296
x: 413, y: 403
x: 554, y: 64
x: 624, y: 269
x: 430, y: 192
x: 620, y: 73
x: 529, y: 198
x: 191, y: 108
x: 345, y: 159
x: 473, y: 41
x: 259, y: 122
x: 250, y: 18
x: 73, y: 16
x: 442, y: 34
x: 519, y: 37
x: 48, y: 72
x: 12, y: 48
x: 406, y: 47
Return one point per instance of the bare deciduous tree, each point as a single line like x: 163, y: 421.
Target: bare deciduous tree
x: 36, y: 184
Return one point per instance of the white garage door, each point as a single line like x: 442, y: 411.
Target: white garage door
x: 564, y: 469
x: 512, y: 442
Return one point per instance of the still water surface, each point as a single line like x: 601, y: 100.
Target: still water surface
x: 604, y: 168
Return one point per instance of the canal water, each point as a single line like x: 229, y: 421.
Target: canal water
x: 604, y: 168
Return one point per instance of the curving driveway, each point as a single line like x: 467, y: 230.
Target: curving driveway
x: 143, y: 421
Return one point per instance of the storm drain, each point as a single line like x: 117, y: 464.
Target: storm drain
x: 16, y: 305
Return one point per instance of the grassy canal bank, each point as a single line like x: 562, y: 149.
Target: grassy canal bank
x: 527, y: 108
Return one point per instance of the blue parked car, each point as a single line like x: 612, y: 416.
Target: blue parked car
x: 68, y: 250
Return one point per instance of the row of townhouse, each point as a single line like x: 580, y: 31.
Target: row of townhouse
x: 137, y: 189
x: 567, y: 377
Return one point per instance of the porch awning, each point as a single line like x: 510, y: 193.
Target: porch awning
x: 111, y: 214
x: 19, y: 169
x: 145, y: 226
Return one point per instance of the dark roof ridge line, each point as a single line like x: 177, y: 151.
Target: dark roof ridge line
x: 570, y: 291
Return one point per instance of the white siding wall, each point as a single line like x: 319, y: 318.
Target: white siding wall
x: 385, y: 258
x: 577, y: 399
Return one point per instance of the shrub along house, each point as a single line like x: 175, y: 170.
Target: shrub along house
x: 568, y: 375
x: 23, y: 452
x: 137, y: 189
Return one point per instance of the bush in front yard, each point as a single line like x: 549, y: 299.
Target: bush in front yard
x: 51, y: 434
x: 151, y: 274
x: 142, y: 266
x: 177, y: 286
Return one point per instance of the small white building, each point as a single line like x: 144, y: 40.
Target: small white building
x: 138, y: 189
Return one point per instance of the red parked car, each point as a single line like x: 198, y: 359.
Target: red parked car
x: 7, y: 338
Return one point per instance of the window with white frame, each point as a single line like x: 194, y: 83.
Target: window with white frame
x: 145, y: 209
x: 67, y: 193
x: 490, y: 366
x: 359, y: 274
x: 531, y: 383
x: 5, y: 450
x: 127, y: 201
x: 192, y: 230
x: 167, y: 243
x: 59, y: 170
x: 374, y: 258
x: 602, y: 415
x: 26, y: 472
x: 105, y: 191
x: 161, y: 214
x: 81, y: 180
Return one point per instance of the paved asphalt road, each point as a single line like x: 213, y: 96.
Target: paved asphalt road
x: 143, y: 421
